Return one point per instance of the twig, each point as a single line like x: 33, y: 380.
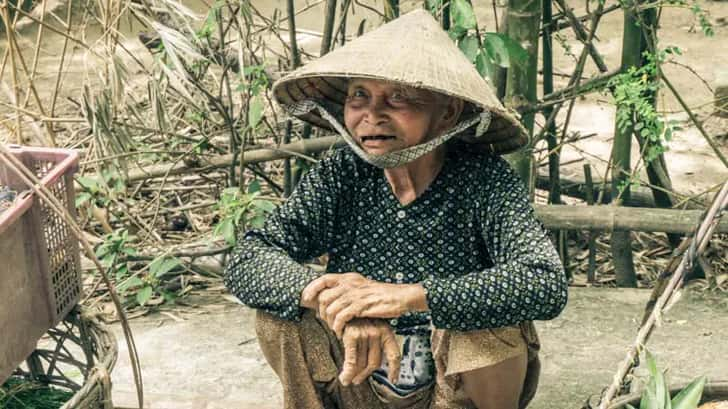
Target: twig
x: 697, y: 123
x: 697, y: 245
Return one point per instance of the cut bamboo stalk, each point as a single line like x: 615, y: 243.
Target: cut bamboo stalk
x: 9, y: 33
x: 639, y: 197
x: 305, y: 147
x: 620, y: 218
x: 328, y: 30
x: 592, y: 267
x: 523, y: 19
x: 57, y: 87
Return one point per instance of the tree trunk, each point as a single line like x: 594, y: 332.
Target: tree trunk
x: 621, y: 241
x: 523, y: 25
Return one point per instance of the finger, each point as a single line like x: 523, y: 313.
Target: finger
x: 374, y: 359
x: 313, y: 288
x: 328, y: 313
x: 350, y: 356
x: 391, y: 351
x: 339, y: 321
x: 328, y: 296
x: 361, y: 357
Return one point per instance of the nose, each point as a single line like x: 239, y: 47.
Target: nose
x: 376, y: 111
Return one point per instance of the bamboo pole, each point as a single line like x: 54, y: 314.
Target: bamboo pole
x: 548, y: 88
x: 296, y: 62
x: 621, y: 218
x: 591, y: 271
x: 300, y: 148
x: 328, y: 30
x: 523, y: 19
x: 621, y: 243
x: 9, y: 33
x: 577, y: 188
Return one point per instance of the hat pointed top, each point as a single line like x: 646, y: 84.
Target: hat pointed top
x: 411, y: 50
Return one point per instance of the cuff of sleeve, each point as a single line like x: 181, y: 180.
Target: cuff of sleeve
x: 436, y: 296
x: 294, y: 311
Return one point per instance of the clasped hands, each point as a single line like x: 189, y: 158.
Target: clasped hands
x: 354, y: 307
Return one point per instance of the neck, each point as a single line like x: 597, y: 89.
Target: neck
x: 410, y: 180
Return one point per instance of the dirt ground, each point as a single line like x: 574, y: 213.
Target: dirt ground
x: 206, y: 356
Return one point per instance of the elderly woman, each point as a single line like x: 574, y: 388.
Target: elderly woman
x: 436, y: 264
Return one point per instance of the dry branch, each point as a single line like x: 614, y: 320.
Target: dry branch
x: 302, y: 147
x: 639, y: 197
x: 620, y: 218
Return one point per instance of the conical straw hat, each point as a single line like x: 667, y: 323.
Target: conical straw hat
x: 412, y: 50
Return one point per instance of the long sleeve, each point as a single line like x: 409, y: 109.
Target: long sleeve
x: 265, y: 271
x: 526, y: 281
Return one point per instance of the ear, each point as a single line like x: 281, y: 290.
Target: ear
x: 451, y: 112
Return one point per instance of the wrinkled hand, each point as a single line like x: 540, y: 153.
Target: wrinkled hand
x: 364, y: 341
x: 339, y: 298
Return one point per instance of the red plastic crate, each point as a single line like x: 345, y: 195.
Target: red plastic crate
x: 40, y: 267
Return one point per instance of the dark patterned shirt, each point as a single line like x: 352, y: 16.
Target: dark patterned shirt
x: 470, y: 238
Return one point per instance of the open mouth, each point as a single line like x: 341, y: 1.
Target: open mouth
x: 367, y: 138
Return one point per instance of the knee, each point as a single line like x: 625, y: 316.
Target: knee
x: 498, y: 386
x: 277, y: 333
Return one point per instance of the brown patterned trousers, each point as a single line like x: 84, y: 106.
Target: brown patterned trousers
x: 307, y: 357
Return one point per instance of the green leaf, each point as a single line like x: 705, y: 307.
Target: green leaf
x: 169, y: 296
x: 88, y: 183
x: 82, y: 198
x: 657, y: 381
x: 648, y: 401
x: 257, y: 221
x: 162, y: 265
x: 628, y: 406
x: 689, y: 397
x: 254, y: 186
x: 433, y: 6
x: 483, y: 65
x: 129, y: 251
x: 131, y: 282
x: 463, y: 15
x: 504, y: 50
x: 144, y: 294
x: 264, y: 205
x: 255, y: 111
x: 496, y: 51
x: 226, y: 229
x: 469, y: 46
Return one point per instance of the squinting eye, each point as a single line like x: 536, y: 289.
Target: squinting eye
x: 398, y: 97
x: 358, y: 93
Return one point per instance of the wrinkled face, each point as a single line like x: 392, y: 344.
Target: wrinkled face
x: 384, y: 117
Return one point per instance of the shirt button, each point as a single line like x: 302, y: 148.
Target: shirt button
x: 393, y: 322
x: 401, y: 214
x: 399, y: 276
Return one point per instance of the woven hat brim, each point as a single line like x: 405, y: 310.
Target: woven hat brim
x: 411, y: 50
x: 505, y: 134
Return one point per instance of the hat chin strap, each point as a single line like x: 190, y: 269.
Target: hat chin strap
x: 396, y: 158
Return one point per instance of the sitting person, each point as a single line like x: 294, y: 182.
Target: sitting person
x: 436, y: 263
